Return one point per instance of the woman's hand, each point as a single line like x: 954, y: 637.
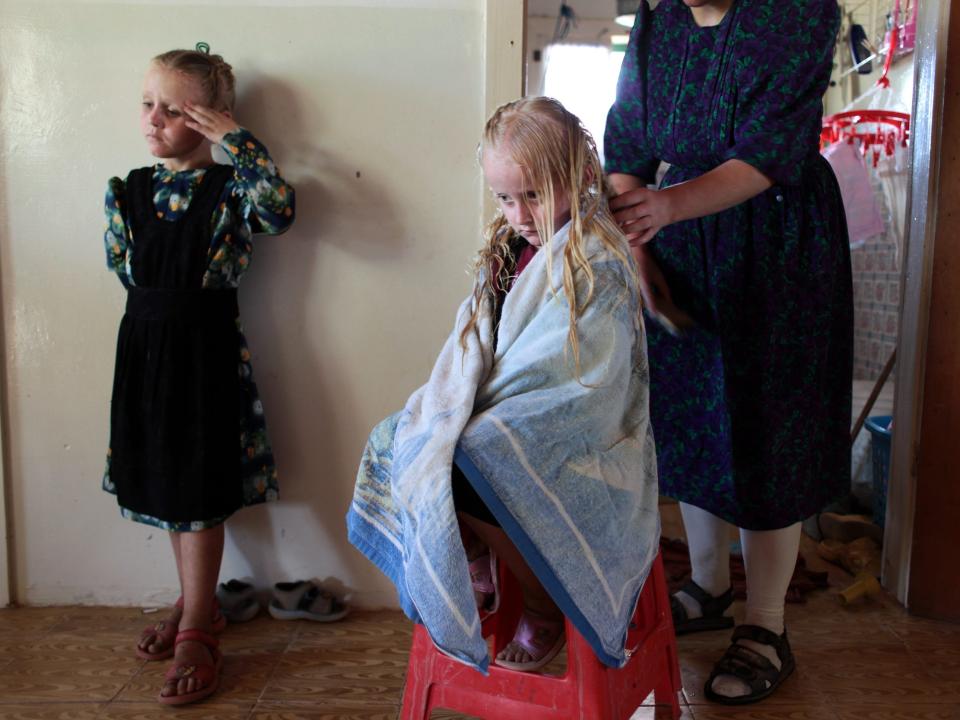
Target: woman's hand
x: 641, y: 212
x: 213, y: 125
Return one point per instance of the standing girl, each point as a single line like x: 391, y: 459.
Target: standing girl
x: 533, y: 428
x: 188, y: 444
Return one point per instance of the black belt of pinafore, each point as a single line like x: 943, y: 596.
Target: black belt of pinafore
x: 189, y: 305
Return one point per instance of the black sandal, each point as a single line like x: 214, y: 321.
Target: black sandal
x: 756, y: 671
x: 712, y: 609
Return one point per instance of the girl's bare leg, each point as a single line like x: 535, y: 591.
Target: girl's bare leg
x: 199, y: 555
x: 152, y: 643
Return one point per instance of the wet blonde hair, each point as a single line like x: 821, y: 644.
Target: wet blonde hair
x: 212, y: 72
x: 557, y: 157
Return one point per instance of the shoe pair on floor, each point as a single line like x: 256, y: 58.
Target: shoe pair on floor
x: 298, y: 600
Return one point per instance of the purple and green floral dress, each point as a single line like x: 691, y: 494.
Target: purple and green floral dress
x: 751, y: 408
x: 185, y: 407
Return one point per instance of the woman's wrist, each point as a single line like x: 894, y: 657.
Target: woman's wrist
x: 672, y: 198
x: 623, y: 182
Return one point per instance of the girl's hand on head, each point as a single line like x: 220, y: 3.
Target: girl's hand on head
x: 212, y: 124
x: 641, y: 213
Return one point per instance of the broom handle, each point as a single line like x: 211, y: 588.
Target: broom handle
x: 873, y: 396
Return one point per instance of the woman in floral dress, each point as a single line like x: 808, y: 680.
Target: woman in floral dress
x: 743, y: 249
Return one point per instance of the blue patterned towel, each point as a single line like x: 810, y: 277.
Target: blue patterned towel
x: 566, y: 465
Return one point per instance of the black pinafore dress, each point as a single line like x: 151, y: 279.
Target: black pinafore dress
x: 174, y: 429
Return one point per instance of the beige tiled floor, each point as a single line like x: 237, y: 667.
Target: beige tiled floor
x: 871, y: 661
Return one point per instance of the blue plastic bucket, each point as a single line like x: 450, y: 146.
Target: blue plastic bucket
x: 880, y: 455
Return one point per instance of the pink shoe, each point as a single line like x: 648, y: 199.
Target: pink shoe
x: 485, y: 580
x: 541, y: 637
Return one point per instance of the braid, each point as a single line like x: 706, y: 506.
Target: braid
x: 212, y: 72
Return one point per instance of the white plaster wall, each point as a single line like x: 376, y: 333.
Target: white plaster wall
x: 372, y: 110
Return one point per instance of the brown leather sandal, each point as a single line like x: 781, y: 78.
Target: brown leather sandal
x: 712, y: 609
x: 752, y: 668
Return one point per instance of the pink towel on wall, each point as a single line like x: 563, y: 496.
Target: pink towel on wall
x: 859, y: 201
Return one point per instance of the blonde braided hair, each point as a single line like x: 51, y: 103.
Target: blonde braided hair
x: 212, y: 72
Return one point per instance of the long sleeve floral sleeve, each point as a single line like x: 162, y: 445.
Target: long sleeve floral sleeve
x: 266, y: 199
x: 259, y: 201
x: 116, y: 238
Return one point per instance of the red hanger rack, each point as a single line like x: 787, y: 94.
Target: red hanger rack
x: 875, y: 130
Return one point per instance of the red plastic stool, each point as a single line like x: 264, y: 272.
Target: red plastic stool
x: 589, y: 690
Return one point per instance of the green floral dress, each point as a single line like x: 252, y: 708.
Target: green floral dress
x: 750, y: 409
x: 256, y: 199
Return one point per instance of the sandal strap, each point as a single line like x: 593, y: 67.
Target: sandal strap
x: 764, y: 637
x: 745, y: 663
x: 305, y: 596
x: 678, y: 611
x: 710, y: 605
x: 480, y: 574
x: 531, y: 635
x: 205, y: 672
x: 195, y: 635
x: 317, y: 600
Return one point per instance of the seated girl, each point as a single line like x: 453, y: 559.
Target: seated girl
x: 533, y: 429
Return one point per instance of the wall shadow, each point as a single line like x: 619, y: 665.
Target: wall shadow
x: 302, y: 379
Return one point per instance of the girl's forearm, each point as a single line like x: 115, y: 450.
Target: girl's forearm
x: 727, y: 185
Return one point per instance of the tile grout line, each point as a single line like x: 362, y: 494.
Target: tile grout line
x: 266, y: 683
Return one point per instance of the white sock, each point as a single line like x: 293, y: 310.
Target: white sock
x: 769, y: 558
x: 708, y: 540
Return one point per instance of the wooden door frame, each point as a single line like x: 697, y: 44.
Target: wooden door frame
x: 505, y: 32
x: 6, y: 520
x: 925, y: 137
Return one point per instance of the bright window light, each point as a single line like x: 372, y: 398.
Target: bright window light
x: 584, y: 79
